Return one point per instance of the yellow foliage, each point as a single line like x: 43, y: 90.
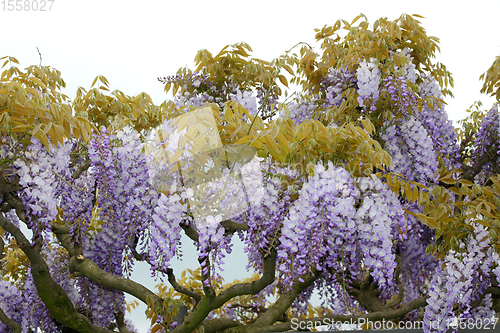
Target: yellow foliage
x: 31, y: 105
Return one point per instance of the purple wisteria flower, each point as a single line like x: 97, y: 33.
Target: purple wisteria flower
x: 368, y: 78
x: 412, y: 150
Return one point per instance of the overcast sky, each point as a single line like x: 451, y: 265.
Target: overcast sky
x: 132, y: 43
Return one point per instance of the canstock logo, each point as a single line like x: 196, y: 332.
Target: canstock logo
x: 221, y: 181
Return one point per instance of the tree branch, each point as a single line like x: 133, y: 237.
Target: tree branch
x: 81, y: 168
x: 366, y: 293
x: 205, y: 276
x: 63, y: 236
x: 190, y: 231
x: 81, y: 266
x: 494, y: 291
x: 374, y: 316
x: 9, y: 185
x: 284, y: 301
x: 231, y: 227
x: 252, y: 288
x: 219, y: 324
x: 399, y: 297
x: 463, y: 146
x: 16, y: 328
x: 210, y: 301
x: 55, y: 298
x: 255, y: 308
x: 2, y: 245
x: 198, y: 315
x: 470, y: 172
x: 181, y: 289
x: 120, y: 322
x: 15, y: 203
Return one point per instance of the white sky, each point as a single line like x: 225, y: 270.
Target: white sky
x: 132, y: 43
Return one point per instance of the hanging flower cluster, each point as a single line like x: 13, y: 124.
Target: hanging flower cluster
x: 412, y: 150
x: 462, y: 281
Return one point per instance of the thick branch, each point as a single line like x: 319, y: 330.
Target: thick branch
x: 190, y: 231
x: 2, y: 245
x: 181, y: 289
x: 81, y: 168
x: 252, y: 288
x: 463, y: 146
x: 366, y: 293
x: 205, y: 275
x: 62, y: 234
x: 284, y: 301
x: 82, y: 266
x: 470, y: 172
x: 16, y: 328
x: 254, y: 308
x: 54, y: 297
x: 198, y: 315
x: 231, y: 227
x: 138, y: 256
x: 374, y: 316
x: 494, y: 291
x: 120, y: 322
x: 210, y: 302
x: 399, y: 297
x: 15, y: 203
x: 8, y: 185
x: 219, y: 324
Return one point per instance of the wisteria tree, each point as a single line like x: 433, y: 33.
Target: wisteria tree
x: 352, y: 183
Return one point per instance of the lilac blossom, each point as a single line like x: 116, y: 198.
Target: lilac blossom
x: 465, y: 277
x: 246, y: 100
x: 412, y: 150
x: 487, y: 137
x: 368, y: 78
x: 435, y: 121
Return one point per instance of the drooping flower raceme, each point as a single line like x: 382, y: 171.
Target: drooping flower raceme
x: 402, y: 98
x: 324, y: 229
x: 317, y: 223
x: 300, y: 110
x: 462, y: 281
x: 486, y: 139
x: 379, y: 222
x: 368, y: 77
x: 12, y: 302
x: 165, y: 231
x: 270, y: 201
x: 412, y: 150
x: 246, y: 99
x: 337, y: 81
x: 40, y: 174
x: 437, y: 124
x: 125, y: 203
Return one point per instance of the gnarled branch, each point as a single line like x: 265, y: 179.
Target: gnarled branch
x: 16, y: 328
x: 120, y: 322
x: 210, y: 301
x: 181, y: 289
x: 55, y: 298
x: 374, y: 316
x: 219, y: 324
x: 251, y: 288
x: 81, y: 266
x: 231, y: 227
